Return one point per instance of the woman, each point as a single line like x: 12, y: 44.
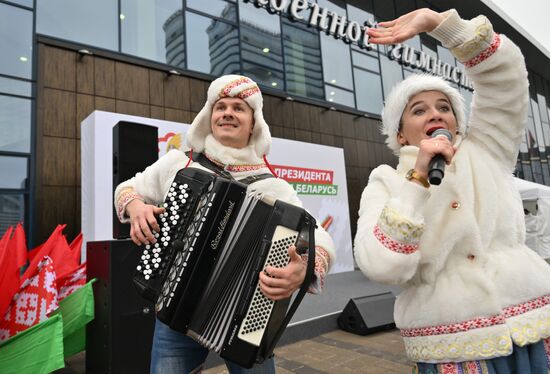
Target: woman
x: 475, y: 298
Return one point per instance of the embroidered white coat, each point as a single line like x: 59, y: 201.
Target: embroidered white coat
x: 471, y: 286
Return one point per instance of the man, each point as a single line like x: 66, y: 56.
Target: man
x: 231, y: 132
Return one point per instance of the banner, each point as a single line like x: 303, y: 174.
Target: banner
x: 316, y: 172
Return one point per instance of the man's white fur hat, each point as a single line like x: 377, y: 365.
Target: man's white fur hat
x: 400, y: 95
x: 231, y: 86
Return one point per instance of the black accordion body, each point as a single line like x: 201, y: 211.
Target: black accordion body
x: 202, y: 273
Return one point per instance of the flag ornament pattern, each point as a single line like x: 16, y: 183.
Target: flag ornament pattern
x: 34, y: 302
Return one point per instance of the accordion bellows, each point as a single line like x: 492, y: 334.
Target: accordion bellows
x: 202, y: 274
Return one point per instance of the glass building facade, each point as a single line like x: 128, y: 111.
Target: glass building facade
x: 314, y: 51
x: 16, y: 108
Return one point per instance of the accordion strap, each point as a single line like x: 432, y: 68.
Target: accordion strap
x: 218, y: 170
x: 207, y: 163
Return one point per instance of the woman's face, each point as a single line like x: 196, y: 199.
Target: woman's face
x: 426, y: 112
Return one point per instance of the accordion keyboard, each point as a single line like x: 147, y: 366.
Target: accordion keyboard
x: 155, y: 257
x: 181, y: 260
x: 257, y: 316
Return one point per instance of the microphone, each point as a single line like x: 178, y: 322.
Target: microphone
x: 437, y: 165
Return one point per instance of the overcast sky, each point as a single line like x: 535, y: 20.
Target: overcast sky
x: 531, y: 16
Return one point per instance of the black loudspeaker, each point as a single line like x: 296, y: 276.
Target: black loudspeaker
x: 135, y: 146
x: 119, y: 338
x: 368, y: 314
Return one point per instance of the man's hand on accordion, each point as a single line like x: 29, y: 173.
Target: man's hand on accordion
x: 280, y: 283
x: 143, y: 222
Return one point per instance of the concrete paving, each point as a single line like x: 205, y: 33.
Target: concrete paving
x: 340, y: 352
x: 333, y: 352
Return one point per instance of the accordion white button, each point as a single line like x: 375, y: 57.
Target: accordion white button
x: 146, y: 277
x: 156, y: 266
x: 186, y: 195
x: 185, y: 185
x: 165, y: 205
x: 165, y: 244
x: 138, y: 268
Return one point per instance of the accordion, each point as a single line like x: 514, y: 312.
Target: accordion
x: 202, y: 273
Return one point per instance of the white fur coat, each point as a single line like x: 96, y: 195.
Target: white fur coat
x: 471, y: 286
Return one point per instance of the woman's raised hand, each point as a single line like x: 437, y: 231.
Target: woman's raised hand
x: 405, y: 27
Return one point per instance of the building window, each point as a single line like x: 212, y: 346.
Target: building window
x: 15, y: 41
x: 337, y: 70
x: 14, y: 172
x: 261, y: 46
x: 368, y: 91
x: 216, y: 8
x: 368, y: 86
x: 362, y: 13
x: 12, y: 210
x: 15, y: 87
x: 304, y: 74
x: 213, y: 44
x: 15, y: 124
x: 392, y: 73
x: 88, y: 22
x: 153, y: 30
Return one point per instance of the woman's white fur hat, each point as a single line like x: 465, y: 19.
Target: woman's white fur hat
x: 400, y: 95
x: 231, y: 86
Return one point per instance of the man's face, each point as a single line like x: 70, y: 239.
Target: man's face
x: 232, y: 122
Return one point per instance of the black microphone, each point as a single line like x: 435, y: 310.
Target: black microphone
x: 437, y: 165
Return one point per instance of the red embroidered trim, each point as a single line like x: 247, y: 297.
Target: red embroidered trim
x: 448, y: 368
x: 456, y: 327
x: 124, y: 200
x: 249, y: 92
x: 467, y: 367
x: 322, y: 259
x: 547, y: 350
x: 485, y: 54
x: 479, y: 322
x: 236, y: 168
x: 224, y: 92
x: 522, y: 308
x: 393, y: 245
